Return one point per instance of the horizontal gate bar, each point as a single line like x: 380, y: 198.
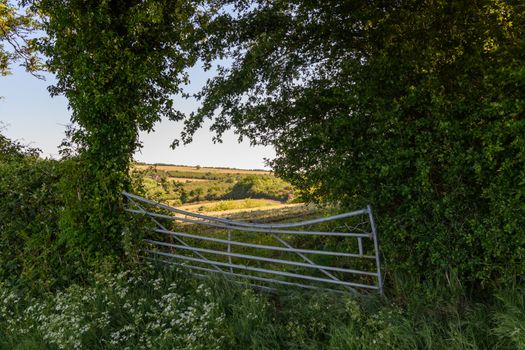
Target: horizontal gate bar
x: 180, y: 240
x: 260, y: 258
x: 265, y: 288
x: 247, y: 224
x: 164, y: 261
x: 261, y: 246
x: 256, y: 269
x: 256, y: 278
x: 249, y: 229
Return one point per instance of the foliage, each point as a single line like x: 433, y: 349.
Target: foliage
x: 159, y: 308
x: 35, y: 253
x: 29, y: 210
x: 13, y: 150
x: 413, y: 106
x: 184, y: 186
x: 15, y: 30
x: 124, y: 310
x: 118, y: 63
x: 261, y: 187
x: 511, y: 319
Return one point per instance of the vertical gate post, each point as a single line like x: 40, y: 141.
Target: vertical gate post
x: 376, y: 250
x: 230, y: 249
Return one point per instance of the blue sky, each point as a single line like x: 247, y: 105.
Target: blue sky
x: 35, y: 118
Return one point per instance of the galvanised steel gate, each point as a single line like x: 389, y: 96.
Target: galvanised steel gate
x: 339, y: 253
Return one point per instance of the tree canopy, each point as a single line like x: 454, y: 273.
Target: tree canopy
x: 15, y: 31
x: 119, y: 63
x: 416, y: 107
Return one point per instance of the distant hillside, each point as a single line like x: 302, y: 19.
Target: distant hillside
x: 178, y: 184
x: 199, y: 169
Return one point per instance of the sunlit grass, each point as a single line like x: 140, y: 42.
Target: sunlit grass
x: 231, y: 204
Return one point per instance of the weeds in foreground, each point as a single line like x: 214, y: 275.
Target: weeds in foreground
x: 154, y: 308
x: 127, y: 310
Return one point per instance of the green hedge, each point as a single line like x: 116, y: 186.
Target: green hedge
x: 38, y: 247
x: 29, y: 210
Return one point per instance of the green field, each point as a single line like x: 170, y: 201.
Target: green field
x: 178, y: 185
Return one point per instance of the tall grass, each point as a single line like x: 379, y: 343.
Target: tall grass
x: 510, y: 320
x: 157, y: 308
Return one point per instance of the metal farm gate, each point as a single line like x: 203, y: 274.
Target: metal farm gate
x: 338, y: 253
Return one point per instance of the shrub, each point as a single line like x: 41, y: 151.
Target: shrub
x: 262, y: 186
x: 30, y: 207
x: 36, y: 249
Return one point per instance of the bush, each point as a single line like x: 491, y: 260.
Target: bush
x: 36, y: 248
x: 253, y: 186
x: 30, y: 207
